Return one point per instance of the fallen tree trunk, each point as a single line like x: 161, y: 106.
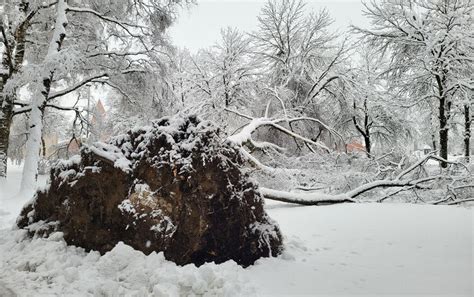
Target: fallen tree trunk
x: 349, y: 197
x: 326, y: 199
x: 239, y: 140
x: 304, y: 198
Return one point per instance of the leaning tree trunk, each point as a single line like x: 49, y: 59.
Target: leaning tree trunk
x: 467, y: 132
x: 40, y: 97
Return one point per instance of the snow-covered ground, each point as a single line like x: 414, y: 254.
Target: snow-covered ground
x: 341, y: 250
x: 10, y: 202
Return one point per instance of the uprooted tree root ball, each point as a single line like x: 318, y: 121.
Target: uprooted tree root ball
x: 171, y: 187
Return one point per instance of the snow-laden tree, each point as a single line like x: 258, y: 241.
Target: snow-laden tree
x: 217, y: 77
x: 367, y: 107
x: 231, y: 62
x: 181, y: 84
x: 75, y: 43
x: 430, y: 45
x: 302, y: 59
x: 299, y: 50
x: 17, y: 19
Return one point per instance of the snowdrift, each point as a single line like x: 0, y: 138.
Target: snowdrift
x: 172, y: 187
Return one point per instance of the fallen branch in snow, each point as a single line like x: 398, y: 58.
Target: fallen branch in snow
x: 452, y: 195
x: 451, y: 201
x: 405, y: 180
x: 395, y: 193
x: 322, y: 198
x: 304, y: 198
x: 460, y: 201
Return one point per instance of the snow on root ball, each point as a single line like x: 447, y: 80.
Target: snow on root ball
x: 173, y: 187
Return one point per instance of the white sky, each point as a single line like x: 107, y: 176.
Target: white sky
x: 200, y: 26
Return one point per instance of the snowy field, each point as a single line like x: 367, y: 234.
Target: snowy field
x: 341, y: 250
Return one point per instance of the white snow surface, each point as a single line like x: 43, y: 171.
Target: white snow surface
x: 340, y: 250
x: 48, y: 267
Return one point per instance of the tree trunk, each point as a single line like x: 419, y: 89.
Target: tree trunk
x: 40, y: 97
x: 6, y: 113
x: 443, y: 131
x: 43, y: 147
x: 367, y: 144
x: 13, y: 57
x: 467, y: 132
x: 33, y: 146
x: 365, y: 130
x: 226, y: 91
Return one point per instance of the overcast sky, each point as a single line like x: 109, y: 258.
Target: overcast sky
x: 200, y: 26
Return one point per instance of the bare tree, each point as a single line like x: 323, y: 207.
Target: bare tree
x: 430, y: 46
x: 368, y: 104
x: 298, y: 48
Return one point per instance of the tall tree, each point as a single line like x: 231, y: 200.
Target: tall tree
x: 91, y: 43
x: 42, y: 88
x: 17, y: 20
x: 230, y: 58
x: 430, y: 46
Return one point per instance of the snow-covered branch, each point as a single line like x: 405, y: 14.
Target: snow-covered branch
x: 304, y: 198
x: 76, y: 86
x: 124, y: 25
x: 245, y: 135
x: 397, y: 182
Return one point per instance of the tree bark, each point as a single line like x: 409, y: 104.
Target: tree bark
x: 467, y: 132
x: 433, y: 140
x: 6, y: 114
x: 443, y: 131
x: 365, y: 134
x: 443, y: 116
x: 43, y: 147
x: 367, y: 144
x: 40, y: 97
x: 365, y: 130
x: 13, y: 57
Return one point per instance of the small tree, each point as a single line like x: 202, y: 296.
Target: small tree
x: 368, y: 104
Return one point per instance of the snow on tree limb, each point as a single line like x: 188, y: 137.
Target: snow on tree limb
x: 245, y: 135
x: 76, y: 86
x: 397, y: 182
x: 304, y: 198
x: 248, y: 156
